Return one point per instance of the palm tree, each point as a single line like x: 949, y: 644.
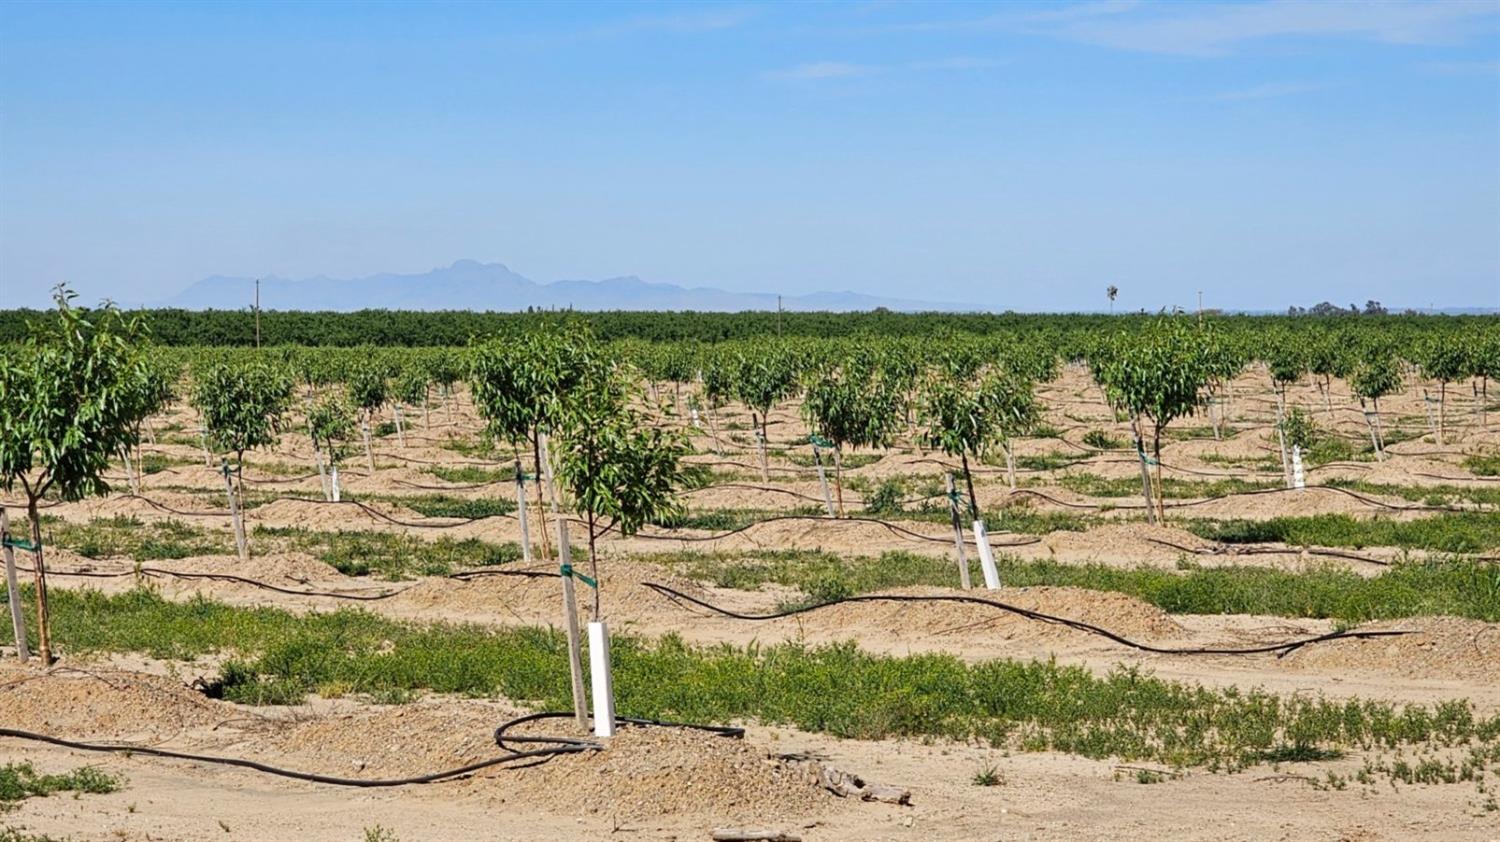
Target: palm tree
x: 1111, y: 291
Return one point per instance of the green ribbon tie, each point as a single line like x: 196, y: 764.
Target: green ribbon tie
x: 567, y: 570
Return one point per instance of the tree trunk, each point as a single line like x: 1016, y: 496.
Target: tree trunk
x: 43, y: 616
x: 760, y: 440
x: 1161, y: 502
x: 838, y: 479
x: 1442, y: 402
x: 234, y: 514
x: 322, y: 472
x: 1010, y: 463
x: 1135, y: 432
x: 400, y: 429
x: 594, y: 566
x: 364, y: 429
x: 958, y: 534
x: 130, y: 479
x: 541, y: 512
x: 969, y: 481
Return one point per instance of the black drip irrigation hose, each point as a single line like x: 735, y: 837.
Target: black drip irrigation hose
x: 149, y: 572
x: 552, y: 746
x: 1237, y: 550
x: 1281, y: 649
x: 893, y: 528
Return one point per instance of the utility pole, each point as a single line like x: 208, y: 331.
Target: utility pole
x: 1200, y: 306
x: 257, y: 312
x: 778, y: 316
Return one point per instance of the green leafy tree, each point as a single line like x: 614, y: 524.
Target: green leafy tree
x: 1377, y: 375
x: 851, y: 406
x: 242, y: 406
x: 70, y: 398
x: 1158, y: 374
x: 1445, y: 358
x: 621, y: 471
x: 764, y: 377
x: 330, y: 425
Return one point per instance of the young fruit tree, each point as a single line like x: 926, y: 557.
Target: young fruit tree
x: 1377, y: 375
x: 69, y: 393
x: 1157, y: 374
x: 330, y: 425
x: 622, y: 472
x: 411, y: 390
x: 1327, y: 358
x: 369, y: 390
x: 851, y: 406
x: 1444, y: 358
x: 241, y: 406
x: 764, y: 377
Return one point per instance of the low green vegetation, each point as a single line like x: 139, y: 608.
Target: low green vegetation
x: 1093, y: 485
x: 390, y: 555
x: 130, y: 537
x: 840, y: 690
x: 19, y: 781
x: 1101, y: 440
x: 1447, y: 532
x: 851, y: 461
x: 1430, y: 495
x: 448, y: 505
x: 472, y: 474
x: 1483, y: 464
x: 1458, y: 587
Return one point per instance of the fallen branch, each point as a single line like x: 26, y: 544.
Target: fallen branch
x: 845, y: 785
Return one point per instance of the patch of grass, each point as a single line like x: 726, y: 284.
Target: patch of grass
x: 1431, y: 495
x: 472, y: 474
x: 1101, y: 440
x: 483, y: 448
x: 837, y: 689
x: 447, y: 505
x: 1093, y: 485
x: 19, y: 781
x: 1483, y: 465
x: 155, y: 463
x: 723, y: 520
x: 850, y: 461
x: 131, y: 537
x: 1458, y: 587
x: 1046, y: 431
x: 1187, y: 433
x: 988, y: 776
x: 1447, y: 532
x: 1047, y: 461
x: 391, y: 555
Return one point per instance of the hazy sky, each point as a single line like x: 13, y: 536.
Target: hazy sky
x: 1010, y: 155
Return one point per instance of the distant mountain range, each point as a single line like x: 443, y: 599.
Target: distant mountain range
x: 470, y: 285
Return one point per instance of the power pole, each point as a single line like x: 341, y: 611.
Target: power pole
x: 778, y: 316
x: 1200, y: 306
x: 257, y: 312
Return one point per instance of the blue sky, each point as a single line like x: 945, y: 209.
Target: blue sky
x: 1014, y: 155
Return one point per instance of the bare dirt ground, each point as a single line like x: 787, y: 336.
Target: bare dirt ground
x: 656, y: 784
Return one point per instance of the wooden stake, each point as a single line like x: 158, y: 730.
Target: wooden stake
x: 234, y: 514
x: 521, y: 513
x: 823, y: 481
x: 958, y: 533
x: 570, y: 618
x: 364, y: 429
x: 13, y: 589
x: 400, y: 429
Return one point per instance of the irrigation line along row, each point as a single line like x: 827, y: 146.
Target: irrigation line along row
x: 514, y: 758
x: 1281, y: 649
x: 158, y: 572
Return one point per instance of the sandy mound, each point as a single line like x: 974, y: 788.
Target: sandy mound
x: 1279, y: 503
x: 102, y: 704
x: 1119, y: 613
x: 538, y: 599
x: 1440, y: 648
x: 1129, y: 542
x: 650, y: 772
x: 275, y: 567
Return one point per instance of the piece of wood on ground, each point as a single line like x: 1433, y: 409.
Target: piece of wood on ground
x: 745, y: 834
x: 846, y: 785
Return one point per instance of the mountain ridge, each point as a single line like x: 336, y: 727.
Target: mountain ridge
x: 472, y: 285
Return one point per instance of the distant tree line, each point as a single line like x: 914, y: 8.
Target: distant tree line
x: 405, y: 328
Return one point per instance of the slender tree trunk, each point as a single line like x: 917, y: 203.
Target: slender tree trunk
x: 1010, y: 463
x: 43, y: 616
x: 838, y: 479
x: 594, y: 567
x: 541, y: 512
x: 322, y: 472
x: 400, y: 429
x: 1442, y: 405
x: 765, y: 467
x: 1161, y: 503
x: 1135, y: 432
x: 969, y: 481
x: 130, y: 480
x: 364, y: 429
